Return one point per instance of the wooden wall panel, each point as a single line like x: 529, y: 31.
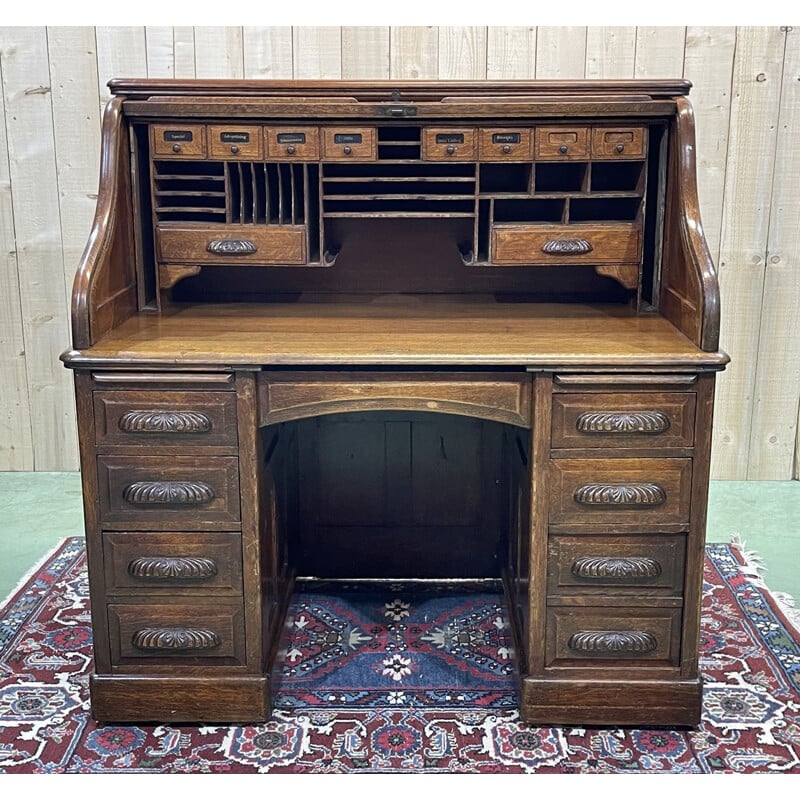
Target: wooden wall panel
x: 757, y: 70
x: 773, y: 432
x: 746, y: 103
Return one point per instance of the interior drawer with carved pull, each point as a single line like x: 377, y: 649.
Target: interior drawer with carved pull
x: 621, y: 637
x: 643, y: 566
x: 618, y: 143
x: 177, y: 634
x: 640, y: 420
x: 145, y: 564
x: 638, y: 491
x: 552, y: 245
x: 231, y: 244
x: 144, y: 419
x: 169, y: 493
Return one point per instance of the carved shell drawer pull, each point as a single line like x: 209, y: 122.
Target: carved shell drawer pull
x: 172, y: 568
x: 184, y: 493
x: 232, y: 247
x: 652, y: 422
x: 165, y: 422
x: 613, y: 642
x: 620, y: 494
x: 604, y: 567
x: 175, y: 639
x: 566, y: 247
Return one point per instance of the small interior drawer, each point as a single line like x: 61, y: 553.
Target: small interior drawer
x: 618, y: 143
x: 449, y: 144
x: 505, y: 144
x: 178, y: 141
x: 644, y: 566
x: 637, y: 420
x: 348, y: 144
x: 165, y: 419
x: 173, y: 563
x: 551, y: 245
x: 298, y: 143
x: 185, y: 634
x: 561, y: 143
x: 231, y: 244
x: 235, y: 142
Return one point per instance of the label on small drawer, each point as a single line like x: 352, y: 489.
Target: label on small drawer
x: 291, y: 138
x: 234, y: 136
x: 347, y: 138
x: 178, y: 136
x: 505, y: 138
x: 449, y: 138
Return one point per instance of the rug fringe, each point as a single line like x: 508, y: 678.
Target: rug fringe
x: 754, y: 569
x: 30, y: 573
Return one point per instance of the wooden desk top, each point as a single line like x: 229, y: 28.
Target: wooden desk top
x: 420, y: 330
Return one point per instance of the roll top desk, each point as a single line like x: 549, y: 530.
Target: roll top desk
x: 441, y: 331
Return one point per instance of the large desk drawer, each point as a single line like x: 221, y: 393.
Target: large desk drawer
x: 639, y: 420
x: 177, y: 635
x: 159, y: 418
x: 652, y: 491
x: 175, y: 493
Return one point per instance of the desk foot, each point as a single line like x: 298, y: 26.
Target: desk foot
x: 133, y: 698
x: 587, y: 703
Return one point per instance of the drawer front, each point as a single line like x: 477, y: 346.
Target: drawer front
x: 149, y: 418
x: 629, y: 565
x: 448, y: 144
x: 178, y: 141
x: 235, y: 142
x: 624, y: 637
x: 505, y: 144
x: 185, y: 634
x: 561, y: 143
x: 232, y: 244
x: 292, y: 144
x: 620, y: 419
x: 348, y: 144
x: 618, y: 143
x: 173, y: 563
x: 649, y: 491
x: 174, y: 493
x: 551, y: 245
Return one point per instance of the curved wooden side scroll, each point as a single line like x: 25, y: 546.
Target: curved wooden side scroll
x: 689, y: 286
x: 107, y: 260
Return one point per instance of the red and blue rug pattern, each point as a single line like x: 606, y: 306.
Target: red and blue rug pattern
x: 397, y: 680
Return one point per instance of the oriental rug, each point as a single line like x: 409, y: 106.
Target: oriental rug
x: 399, y: 680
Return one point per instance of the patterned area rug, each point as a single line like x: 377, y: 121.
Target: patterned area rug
x: 399, y: 681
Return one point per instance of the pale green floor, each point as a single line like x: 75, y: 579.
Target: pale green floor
x: 38, y: 509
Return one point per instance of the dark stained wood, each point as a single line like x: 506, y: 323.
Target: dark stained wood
x: 496, y: 396
x: 413, y: 409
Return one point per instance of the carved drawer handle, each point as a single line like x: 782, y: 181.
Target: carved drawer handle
x: 620, y: 494
x: 165, y: 422
x: 188, y: 493
x: 603, y: 567
x: 175, y: 639
x: 651, y: 422
x: 178, y: 568
x: 570, y: 247
x: 613, y: 642
x: 232, y: 247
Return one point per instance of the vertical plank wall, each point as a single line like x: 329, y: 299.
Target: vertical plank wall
x: 747, y: 103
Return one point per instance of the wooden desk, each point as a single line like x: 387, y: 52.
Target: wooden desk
x: 434, y: 331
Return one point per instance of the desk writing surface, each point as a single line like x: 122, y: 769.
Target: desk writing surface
x: 426, y: 331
